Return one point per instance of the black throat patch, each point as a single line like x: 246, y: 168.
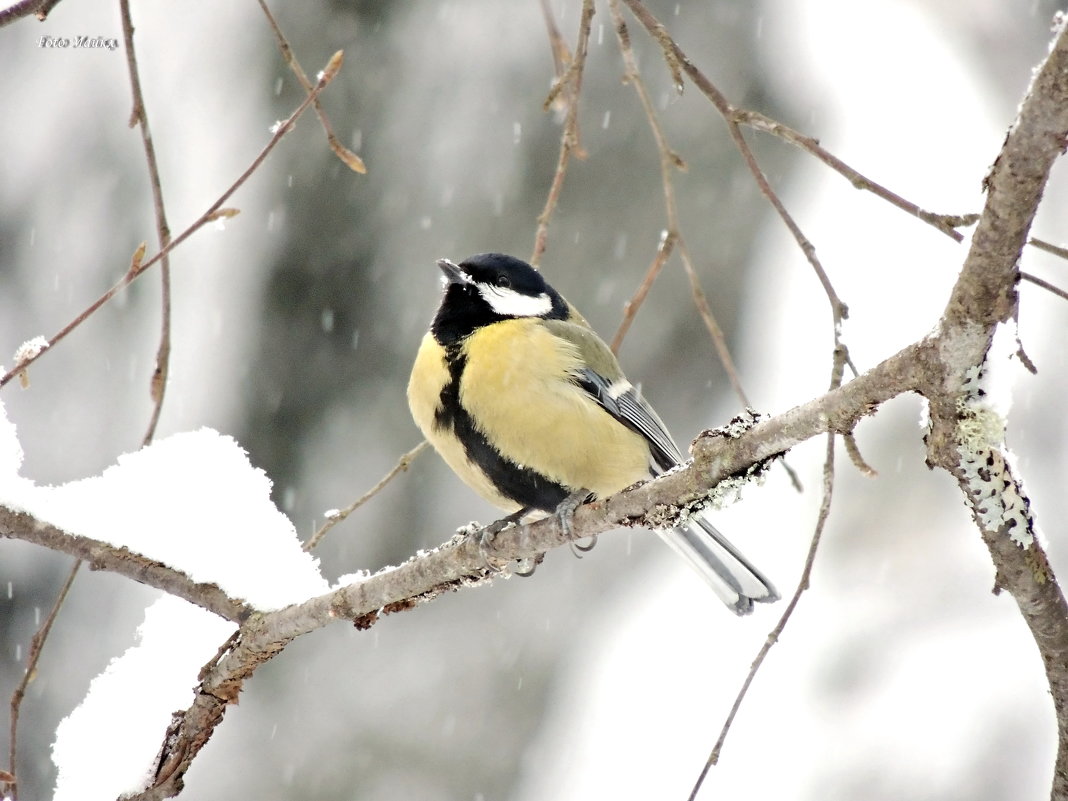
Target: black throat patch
x: 461, y: 313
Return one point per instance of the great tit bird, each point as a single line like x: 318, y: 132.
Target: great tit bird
x: 530, y: 408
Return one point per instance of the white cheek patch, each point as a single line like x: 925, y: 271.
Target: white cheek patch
x: 509, y: 303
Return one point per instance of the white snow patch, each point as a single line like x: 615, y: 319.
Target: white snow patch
x: 11, y: 484
x: 107, y: 746
x: 194, y: 502
x: 30, y: 348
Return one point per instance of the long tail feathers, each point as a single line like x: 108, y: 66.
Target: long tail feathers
x: 729, y: 573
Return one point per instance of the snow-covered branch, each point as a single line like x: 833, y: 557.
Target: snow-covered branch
x: 102, y: 555
x: 720, y: 459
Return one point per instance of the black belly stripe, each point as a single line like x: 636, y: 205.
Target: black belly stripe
x: 526, y: 487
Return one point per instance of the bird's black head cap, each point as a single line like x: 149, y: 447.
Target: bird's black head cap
x: 488, y: 288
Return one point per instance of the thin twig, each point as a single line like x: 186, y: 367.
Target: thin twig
x: 1041, y: 244
x: 671, y: 235
x: 719, y: 341
x: 139, y: 117
x: 561, y: 52
x: 946, y: 223
x: 37, y: 643
x: 20, y: 10
x: 569, y: 86
x: 1034, y: 279
x: 773, y: 636
x: 837, y: 372
x: 630, y: 308
x: 669, y: 162
x: 402, y: 464
x: 857, y: 457
x: 214, y: 212
x: 839, y: 311
x: 678, y: 62
x: 350, y: 159
x: 669, y: 159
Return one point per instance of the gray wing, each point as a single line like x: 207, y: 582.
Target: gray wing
x: 730, y: 574
x: 625, y: 403
x: 603, y: 379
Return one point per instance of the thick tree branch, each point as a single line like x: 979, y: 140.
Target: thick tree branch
x: 984, y: 297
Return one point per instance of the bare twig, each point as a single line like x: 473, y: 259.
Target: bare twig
x: 714, y: 331
x: 946, y: 223
x: 1041, y: 244
x: 402, y: 464
x: 773, y: 636
x: 569, y: 86
x: 22, y: 9
x: 669, y: 162
x: 350, y: 159
x: 837, y: 372
x: 630, y: 308
x: 139, y: 117
x: 37, y: 643
x: 214, y: 212
x: 1034, y: 279
x: 839, y: 311
x: 562, y: 57
x: 850, y: 441
x: 669, y: 159
x: 678, y: 62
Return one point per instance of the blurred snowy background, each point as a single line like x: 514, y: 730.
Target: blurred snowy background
x: 295, y: 324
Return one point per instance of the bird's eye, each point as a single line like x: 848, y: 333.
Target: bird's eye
x: 504, y: 282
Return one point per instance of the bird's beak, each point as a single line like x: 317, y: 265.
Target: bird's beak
x: 453, y: 274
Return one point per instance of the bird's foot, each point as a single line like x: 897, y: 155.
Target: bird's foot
x: 487, y: 534
x: 565, y: 513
